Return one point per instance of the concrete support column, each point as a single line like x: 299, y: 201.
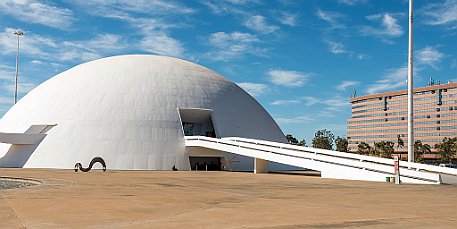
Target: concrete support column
x: 260, y: 166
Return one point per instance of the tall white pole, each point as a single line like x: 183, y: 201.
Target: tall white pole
x: 18, y: 33
x: 410, y: 87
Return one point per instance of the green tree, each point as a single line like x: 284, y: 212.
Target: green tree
x: 400, y: 144
x: 419, y: 150
x: 384, y: 149
x: 302, y: 143
x: 292, y: 140
x: 341, y: 144
x: 363, y: 148
x: 447, y: 149
x: 323, y: 139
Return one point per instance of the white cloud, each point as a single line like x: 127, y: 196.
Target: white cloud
x: 389, y: 26
x: 336, y: 103
x: 333, y: 18
x: 336, y: 47
x: 254, y: 89
x: 393, y: 79
x: 233, y: 45
x: 7, y: 73
x: 294, y: 120
x: 444, y: 13
x: 429, y: 56
x: 222, y: 8
x: 332, y: 104
x: 346, y: 84
x: 160, y: 43
x: 259, y: 24
x: 7, y: 81
x: 22, y: 87
x: 44, y: 48
x: 123, y: 8
x: 30, y: 44
x: 93, y: 48
x: 339, y: 48
x: 237, y: 7
x: 152, y: 19
x: 310, y: 101
x: 224, y: 40
x: 33, y: 11
x: 285, y: 102
x: 75, y: 55
x: 288, y: 78
x: 363, y: 56
x: 287, y: 18
x: 352, y: 2
x: 243, y: 2
x: 36, y: 62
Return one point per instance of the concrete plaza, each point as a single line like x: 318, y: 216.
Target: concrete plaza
x: 189, y: 199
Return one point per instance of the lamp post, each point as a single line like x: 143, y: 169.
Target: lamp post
x: 18, y: 33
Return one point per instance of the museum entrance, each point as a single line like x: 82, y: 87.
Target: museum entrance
x: 197, y: 122
x: 205, y: 163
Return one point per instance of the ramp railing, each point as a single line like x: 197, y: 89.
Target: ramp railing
x: 326, y: 161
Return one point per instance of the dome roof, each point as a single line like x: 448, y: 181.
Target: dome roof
x: 126, y: 108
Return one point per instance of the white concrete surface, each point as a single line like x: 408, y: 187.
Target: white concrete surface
x: 331, y: 164
x: 125, y: 109
x: 260, y: 165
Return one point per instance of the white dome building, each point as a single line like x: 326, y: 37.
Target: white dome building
x: 133, y: 111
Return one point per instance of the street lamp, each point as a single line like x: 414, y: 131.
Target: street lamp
x: 18, y: 33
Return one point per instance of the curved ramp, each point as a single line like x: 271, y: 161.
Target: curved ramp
x: 331, y: 164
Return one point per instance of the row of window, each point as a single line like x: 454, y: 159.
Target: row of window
x: 397, y: 108
x: 402, y: 118
x: 404, y: 95
x: 415, y: 105
x: 402, y: 124
x: 367, y: 110
x: 401, y: 129
x: 405, y: 141
x: 444, y: 134
x: 381, y: 114
x: 377, y: 131
x: 367, y: 105
x: 401, y: 113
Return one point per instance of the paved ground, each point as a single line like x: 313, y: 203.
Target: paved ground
x: 155, y: 199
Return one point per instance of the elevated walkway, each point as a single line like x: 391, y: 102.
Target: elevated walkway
x: 331, y: 164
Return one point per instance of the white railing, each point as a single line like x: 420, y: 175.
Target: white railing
x: 403, y: 164
x: 321, y: 158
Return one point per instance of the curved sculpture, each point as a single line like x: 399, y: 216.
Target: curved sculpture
x: 92, y: 162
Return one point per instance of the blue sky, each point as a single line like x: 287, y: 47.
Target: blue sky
x: 301, y: 59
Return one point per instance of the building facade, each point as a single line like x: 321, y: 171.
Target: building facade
x: 383, y: 117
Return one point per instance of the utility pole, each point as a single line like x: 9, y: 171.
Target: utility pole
x: 18, y: 33
x: 410, y: 87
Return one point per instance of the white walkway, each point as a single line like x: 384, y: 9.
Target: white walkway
x: 331, y: 164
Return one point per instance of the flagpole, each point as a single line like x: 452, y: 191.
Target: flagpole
x: 410, y: 87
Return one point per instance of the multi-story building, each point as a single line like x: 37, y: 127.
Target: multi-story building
x: 383, y: 117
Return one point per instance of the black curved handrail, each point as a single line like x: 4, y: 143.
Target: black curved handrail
x: 92, y: 162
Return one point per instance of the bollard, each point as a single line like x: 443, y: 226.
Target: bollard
x: 396, y: 178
